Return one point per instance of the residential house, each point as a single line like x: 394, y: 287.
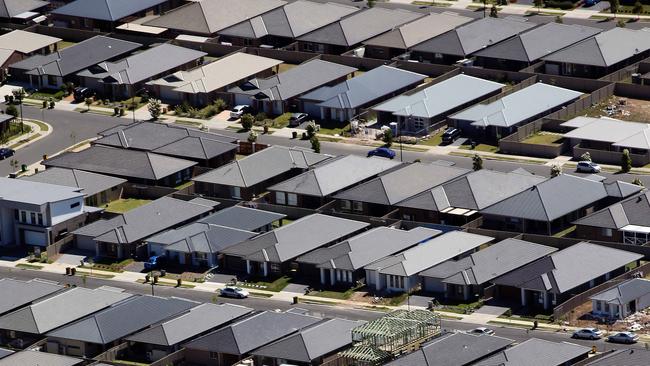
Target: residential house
x: 5, y: 123
x: 626, y: 356
x: 21, y: 11
x: 281, y: 26
x: 399, y: 272
x: 349, y: 32
x: 467, y: 277
x: 462, y: 42
x: 98, y: 189
x: 279, y: 93
x: 122, y: 236
x: 343, y: 263
x: 228, y: 345
x: 55, y: 69
x: 168, y: 337
x: 557, y: 277
x: 139, y: 167
x: 622, y: 300
x: 399, y: 40
x: 601, y: 54
x: 417, y: 111
x: 552, y: 205
x: 274, y: 252
x: 317, y: 186
x: 105, y: 15
x: 123, y: 78
x: 204, y: 84
x: 207, y: 17
x: 349, y: 99
x: 18, y: 45
x: 380, y: 195
x: 501, y: 117
x: 245, y: 218
x: 248, y: 177
x: 461, y: 200
x: 545, y: 352
x: 36, y: 358
x: 24, y: 293
x: 529, y: 47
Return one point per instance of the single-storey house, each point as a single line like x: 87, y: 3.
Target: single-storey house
x: 18, y: 45
x: 547, y: 352
x: 20, y: 11
x: 245, y: 218
x: 622, y: 300
x: 37, y: 358
x: 5, y: 122
x: 625, y: 356
x: 24, y: 293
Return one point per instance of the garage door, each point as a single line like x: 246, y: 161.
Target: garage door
x: 35, y: 238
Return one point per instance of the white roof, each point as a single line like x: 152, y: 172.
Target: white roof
x: 26, y: 42
x: 24, y: 191
x: 636, y: 229
x: 618, y: 133
x: 146, y: 29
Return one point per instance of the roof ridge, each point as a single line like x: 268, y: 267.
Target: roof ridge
x: 541, y: 201
x: 74, y: 175
x: 205, y: 16
x: 241, y: 172
x: 99, y: 330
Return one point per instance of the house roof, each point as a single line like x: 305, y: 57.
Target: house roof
x: 480, y: 267
x: 244, y: 218
x: 296, y: 238
x: 195, y: 321
x: 475, y: 36
x: 120, y: 162
x: 568, y: 268
x: 624, y: 292
x: 217, y: 74
x: 364, y: 89
x: 210, y: 16
x: 90, y: 183
x: 261, y: 166
x: 334, y: 176
x: 429, y: 253
x: 622, y: 357
x: 24, y: 292
x: 200, y: 238
x: 367, y: 247
x: 605, y: 49
x: 37, y: 358
x: 35, y: 193
x: 109, y: 10
x: 635, y: 135
x: 295, y: 81
x: 539, y: 42
x: 290, y: 21
x: 632, y: 211
x: 253, y: 332
x: 26, y: 42
x: 440, y: 98
x: 513, y: 109
x: 12, y: 8
x: 537, y: 352
x: 61, y: 309
x: 5, y: 352
x: 77, y: 57
x: 401, y: 184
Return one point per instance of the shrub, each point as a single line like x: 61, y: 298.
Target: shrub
x: 116, y: 111
x: 220, y: 105
x: 260, y: 116
x: 52, y: 104
x: 122, y: 113
x: 564, y: 5
x: 247, y: 121
x: 12, y: 110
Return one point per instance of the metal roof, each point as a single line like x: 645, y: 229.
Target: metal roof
x: 624, y: 292
x: 13, y: 8
x: 26, y: 42
x: 622, y: 357
x: 24, y: 292
x: 37, y: 358
x: 628, y: 134
x: 109, y: 10
x: 35, y: 193
x: 634, y: 211
x: 244, y: 218
x: 201, y: 238
x: 537, y: 352
x: 90, y: 183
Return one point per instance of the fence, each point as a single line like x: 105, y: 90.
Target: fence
x: 610, y: 157
x: 56, y: 248
x: 634, y: 91
x: 68, y: 34
x: 358, y: 62
x: 172, y: 359
x: 247, y: 148
x: 146, y: 192
x: 112, y: 353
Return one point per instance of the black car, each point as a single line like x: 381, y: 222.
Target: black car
x: 450, y: 135
x: 81, y: 93
x: 6, y: 153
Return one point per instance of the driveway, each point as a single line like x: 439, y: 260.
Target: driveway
x: 70, y: 259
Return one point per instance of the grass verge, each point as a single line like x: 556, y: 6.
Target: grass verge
x: 275, y: 286
x: 29, y: 266
x: 185, y: 122
x: 259, y: 294
x: 166, y: 284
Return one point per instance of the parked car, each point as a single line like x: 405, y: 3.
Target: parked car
x: 587, y: 333
x: 6, y: 153
x: 450, y: 135
x: 155, y: 262
x: 382, y: 152
x: 588, y: 167
x: 623, y: 337
x: 80, y: 93
x: 239, y: 110
x: 235, y: 292
x: 589, y: 3
x: 297, y: 119
x: 481, y: 330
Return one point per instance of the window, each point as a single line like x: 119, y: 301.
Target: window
x: 346, y: 205
x: 74, y: 205
x: 32, y: 218
x: 280, y: 198
x: 418, y: 123
x: 235, y: 192
x: 23, y: 216
x: 598, y: 307
x: 40, y: 219
x: 201, y: 256
x: 52, y: 80
x: 103, y: 196
x: 214, y: 355
x: 292, y: 199
x: 357, y: 206
x: 275, y: 267
x: 607, y: 232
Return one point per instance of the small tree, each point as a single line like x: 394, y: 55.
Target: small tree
x: 220, y: 104
x: 613, y: 6
x: 388, y: 138
x: 538, y: 4
x: 19, y: 95
x: 477, y: 162
x: 638, y: 182
x: 558, y: 19
x: 371, y: 3
x: 252, y: 137
x: 637, y: 9
x: 315, y: 144
x: 247, y: 121
x: 585, y: 157
x: 52, y: 103
x: 12, y: 110
x: 626, y: 161
x: 260, y: 117
x: 556, y: 170
x: 155, y: 108
x: 494, y: 11
x: 311, y: 131
x: 621, y: 23
x: 89, y: 102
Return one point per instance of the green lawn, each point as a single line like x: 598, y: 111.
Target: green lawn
x: 185, y: 122
x: 434, y: 140
x: 44, y: 127
x: 125, y: 204
x: 281, y: 121
x: 565, y: 232
x: 544, y: 138
x: 14, y: 131
x: 184, y: 185
x: 481, y: 147
x: 47, y: 94
x: 64, y: 44
x: 28, y: 266
x: 333, y: 128
x: 275, y: 286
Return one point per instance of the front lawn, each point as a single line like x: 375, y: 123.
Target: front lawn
x: 544, y: 138
x: 481, y: 147
x: 275, y: 286
x: 125, y: 204
x: 333, y: 128
x: 14, y: 131
x: 47, y: 94
x: 433, y: 140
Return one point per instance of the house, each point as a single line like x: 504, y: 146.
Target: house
x: 343, y: 263
x: 348, y: 99
x: 245, y: 218
x: 105, y: 15
x: 24, y: 326
x: 626, y: 222
x: 552, y: 205
x: 417, y: 111
x: 39, y: 214
x: 250, y: 176
x: 501, y: 117
x: 281, y: 26
x: 621, y: 357
x: 380, y: 195
x: 278, y: 94
x: 24, y: 293
x: 123, y: 78
x: 623, y: 299
x: 458, y: 201
x: 167, y: 337
x: 36, y: 358
x: 135, y: 166
x: 544, y: 352
x: 467, y: 277
x: 55, y: 69
x: 317, y: 186
x: 105, y: 329
x: 207, y: 17
x: 18, y: 45
x: 98, y: 189
x: 311, y: 345
x: 399, y: 272
x: 557, y: 277
x: 207, y: 149
x: 228, y: 345
x: 349, y: 32
x: 5, y: 123
x: 529, y: 47
x: 601, y: 54
x: 204, y: 84
x: 399, y: 40
x: 20, y: 11
x: 273, y: 252
x: 462, y: 42
x: 458, y: 349
x: 122, y: 236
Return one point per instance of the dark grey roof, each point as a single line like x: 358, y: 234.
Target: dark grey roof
x: 24, y: 292
x: 110, y: 10
x: 200, y: 238
x: 77, y: 57
x: 91, y: 183
x: 624, y: 292
x: 537, y: 352
x: 244, y: 218
x: 632, y: 211
x: 12, y: 8
x: 623, y: 357
x: 5, y: 352
x: 36, y: 358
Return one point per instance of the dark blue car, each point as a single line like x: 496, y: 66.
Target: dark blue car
x: 382, y: 152
x: 155, y: 261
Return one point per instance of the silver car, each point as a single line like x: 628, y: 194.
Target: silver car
x: 588, y: 167
x: 481, y: 330
x: 234, y: 292
x: 623, y: 337
x: 588, y: 333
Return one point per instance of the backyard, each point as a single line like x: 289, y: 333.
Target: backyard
x: 544, y: 138
x: 125, y: 204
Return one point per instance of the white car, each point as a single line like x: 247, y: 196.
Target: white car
x: 623, y: 337
x: 588, y: 167
x: 481, y: 330
x: 235, y: 292
x: 588, y: 333
x: 239, y: 111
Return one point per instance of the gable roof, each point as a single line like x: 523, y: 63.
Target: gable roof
x: 244, y: 218
x: 624, y: 292
x: 26, y: 42
x: 537, y: 352
x: 5, y: 352
x: 90, y: 183
x: 634, y: 211
x: 37, y: 358
x: 35, y: 193
x: 24, y: 292
x: 622, y: 357
x: 635, y: 135
x: 12, y: 8
x: 200, y: 238
x: 109, y: 10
